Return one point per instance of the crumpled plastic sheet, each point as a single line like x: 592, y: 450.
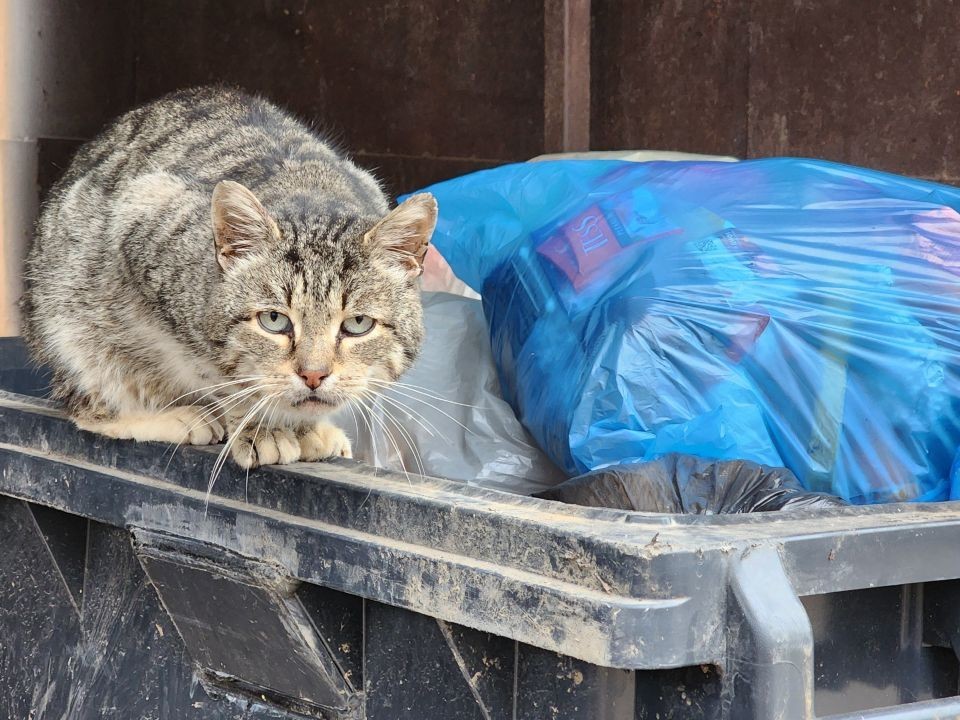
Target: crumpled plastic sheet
x: 687, y: 485
x: 446, y: 418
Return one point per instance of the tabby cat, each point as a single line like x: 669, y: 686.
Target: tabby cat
x: 210, y: 267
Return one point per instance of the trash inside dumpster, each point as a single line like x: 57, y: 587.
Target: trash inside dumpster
x: 687, y: 485
x: 788, y: 312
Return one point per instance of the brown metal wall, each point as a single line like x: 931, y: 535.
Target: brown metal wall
x: 427, y: 89
x: 871, y: 82
x: 421, y: 90
x: 670, y: 75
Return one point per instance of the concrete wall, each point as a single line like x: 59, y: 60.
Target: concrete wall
x: 65, y: 69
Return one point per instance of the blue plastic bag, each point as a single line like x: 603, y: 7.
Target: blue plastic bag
x: 788, y: 312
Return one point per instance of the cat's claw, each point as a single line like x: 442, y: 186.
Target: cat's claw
x: 265, y: 447
x: 324, y: 441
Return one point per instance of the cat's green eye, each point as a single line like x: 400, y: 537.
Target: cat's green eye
x: 358, y: 325
x: 274, y: 322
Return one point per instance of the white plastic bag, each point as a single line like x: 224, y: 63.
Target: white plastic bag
x: 445, y: 417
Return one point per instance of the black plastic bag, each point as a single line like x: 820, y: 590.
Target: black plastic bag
x: 687, y: 485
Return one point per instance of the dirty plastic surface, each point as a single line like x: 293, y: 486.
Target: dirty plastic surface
x: 687, y: 485
x: 790, y: 312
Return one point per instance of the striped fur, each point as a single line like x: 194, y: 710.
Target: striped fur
x: 135, y: 307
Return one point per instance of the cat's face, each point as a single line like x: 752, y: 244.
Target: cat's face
x: 316, y: 313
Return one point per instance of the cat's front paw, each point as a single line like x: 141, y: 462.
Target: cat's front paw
x: 323, y: 441
x: 184, y: 424
x: 201, y: 426
x: 255, y: 447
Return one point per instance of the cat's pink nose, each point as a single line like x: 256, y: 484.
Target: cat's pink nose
x: 313, y: 378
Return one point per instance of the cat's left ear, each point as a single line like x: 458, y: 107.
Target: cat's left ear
x: 240, y: 223
x: 405, y: 233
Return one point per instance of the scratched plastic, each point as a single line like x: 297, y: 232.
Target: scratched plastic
x: 789, y: 312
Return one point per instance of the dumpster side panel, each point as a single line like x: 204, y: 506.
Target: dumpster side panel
x: 114, y: 655
x: 40, y: 623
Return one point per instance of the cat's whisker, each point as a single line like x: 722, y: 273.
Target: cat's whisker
x: 213, y: 392
x: 211, y: 388
x: 353, y: 413
x: 231, y: 441
x: 396, y: 447
x: 256, y: 433
x: 433, y: 407
x: 218, y: 407
x: 418, y: 418
x: 222, y: 406
x: 391, y: 438
x: 404, y: 433
x: 273, y: 409
x: 364, y: 418
x: 422, y: 391
x: 358, y: 411
x: 412, y: 386
x: 225, y: 405
x: 202, y: 418
x: 416, y: 391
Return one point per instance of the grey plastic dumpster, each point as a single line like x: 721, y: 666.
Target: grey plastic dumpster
x: 332, y: 590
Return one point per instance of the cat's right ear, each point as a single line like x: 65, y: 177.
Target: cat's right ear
x: 240, y: 223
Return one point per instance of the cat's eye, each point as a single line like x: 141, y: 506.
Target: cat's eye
x: 274, y: 322
x: 358, y: 325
